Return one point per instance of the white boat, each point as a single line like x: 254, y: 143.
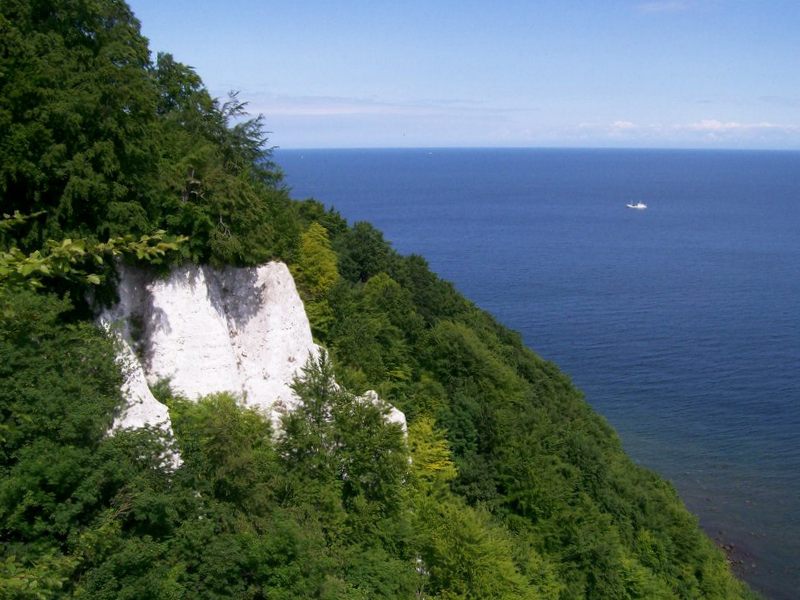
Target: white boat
x: 639, y: 205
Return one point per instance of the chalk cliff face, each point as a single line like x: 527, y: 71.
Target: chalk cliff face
x: 208, y: 330
x: 237, y: 330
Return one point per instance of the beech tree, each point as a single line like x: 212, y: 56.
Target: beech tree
x: 315, y: 274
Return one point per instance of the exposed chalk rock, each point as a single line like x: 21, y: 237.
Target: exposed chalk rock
x: 269, y: 332
x: 393, y: 416
x: 184, y: 336
x: 205, y: 330
x: 141, y: 408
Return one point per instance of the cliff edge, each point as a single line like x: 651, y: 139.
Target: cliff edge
x: 206, y: 330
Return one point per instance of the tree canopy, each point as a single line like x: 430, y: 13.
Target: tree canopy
x: 101, y: 141
x: 507, y: 484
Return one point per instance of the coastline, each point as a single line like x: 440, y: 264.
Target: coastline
x: 550, y: 232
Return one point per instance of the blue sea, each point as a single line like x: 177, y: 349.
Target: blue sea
x: 680, y: 323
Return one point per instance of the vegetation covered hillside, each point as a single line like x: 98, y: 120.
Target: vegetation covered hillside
x: 507, y: 486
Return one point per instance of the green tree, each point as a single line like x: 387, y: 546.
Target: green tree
x: 431, y: 460
x: 227, y: 449
x: 217, y: 182
x: 315, y: 274
x: 363, y: 253
x: 59, y: 471
x: 102, y: 143
x: 78, y: 135
x: 349, y: 464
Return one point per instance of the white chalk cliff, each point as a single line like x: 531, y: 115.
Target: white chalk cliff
x: 205, y: 330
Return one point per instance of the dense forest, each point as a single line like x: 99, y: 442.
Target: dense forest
x: 506, y: 486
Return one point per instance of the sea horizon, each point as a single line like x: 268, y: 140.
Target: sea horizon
x: 676, y: 322
x: 279, y: 148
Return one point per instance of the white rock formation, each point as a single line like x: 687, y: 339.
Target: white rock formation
x: 184, y: 334
x: 394, y: 416
x: 237, y: 330
x: 141, y: 407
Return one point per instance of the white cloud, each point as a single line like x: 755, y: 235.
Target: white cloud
x: 702, y: 133
x: 322, y: 106
x: 702, y: 126
x: 333, y: 106
x: 308, y: 121
x: 332, y: 121
x: 712, y: 125
x: 717, y: 126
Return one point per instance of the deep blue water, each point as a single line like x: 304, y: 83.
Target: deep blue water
x: 680, y: 323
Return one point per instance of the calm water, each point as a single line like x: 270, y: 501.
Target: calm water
x: 680, y: 323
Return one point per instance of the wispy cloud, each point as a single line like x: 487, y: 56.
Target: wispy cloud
x: 781, y: 100
x: 335, y: 106
x: 675, y: 7
x: 703, y: 125
x: 703, y: 132
x: 717, y: 126
x: 663, y: 6
x: 324, y: 121
x: 330, y: 106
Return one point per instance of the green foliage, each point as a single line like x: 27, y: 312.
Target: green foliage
x: 462, y: 553
x: 310, y: 211
x: 225, y: 447
x: 338, y: 437
x: 515, y: 487
x: 102, y: 143
x: 59, y: 392
x: 363, y: 253
x: 431, y: 461
x: 216, y: 182
x: 315, y: 270
x: 46, y: 368
x: 76, y: 116
x: 315, y: 274
x: 467, y: 557
x: 73, y: 260
x: 38, y: 581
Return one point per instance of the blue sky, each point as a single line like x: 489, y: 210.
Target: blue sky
x: 610, y: 73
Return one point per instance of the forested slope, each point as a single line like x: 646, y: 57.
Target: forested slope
x: 515, y: 487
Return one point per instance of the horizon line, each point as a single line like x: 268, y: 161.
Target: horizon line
x: 617, y: 148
